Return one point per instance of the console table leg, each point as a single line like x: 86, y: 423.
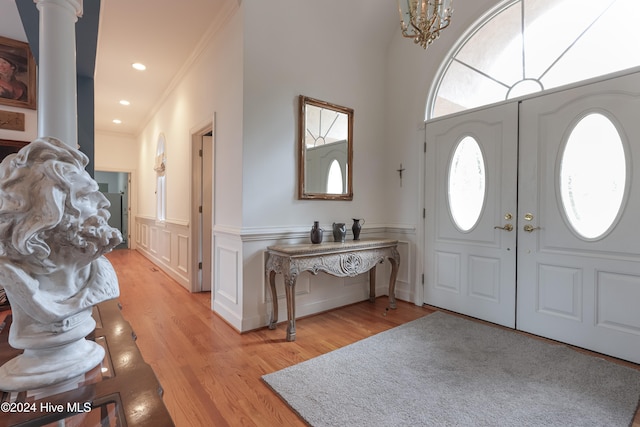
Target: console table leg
x: 392, y: 282
x: 290, y: 287
x: 372, y: 284
x: 274, y: 300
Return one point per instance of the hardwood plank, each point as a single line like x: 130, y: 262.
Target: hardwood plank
x: 211, y: 374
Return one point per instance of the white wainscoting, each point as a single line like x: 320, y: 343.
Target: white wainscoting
x: 240, y: 291
x: 166, y: 244
x: 228, y: 290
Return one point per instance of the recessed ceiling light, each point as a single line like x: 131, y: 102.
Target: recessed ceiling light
x: 124, y: 102
x: 139, y: 66
x: 117, y: 121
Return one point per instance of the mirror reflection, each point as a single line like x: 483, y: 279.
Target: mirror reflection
x: 325, y: 153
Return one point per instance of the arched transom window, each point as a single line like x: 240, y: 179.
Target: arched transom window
x: 531, y: 45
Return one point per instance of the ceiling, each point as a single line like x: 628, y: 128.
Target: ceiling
x: 163, y: 35
x: 160, y: 34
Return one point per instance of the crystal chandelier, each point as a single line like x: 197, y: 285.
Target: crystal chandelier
x: 422, y: 20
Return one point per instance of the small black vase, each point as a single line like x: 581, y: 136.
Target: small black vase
x: 356, y: 227
x: 316, y: 233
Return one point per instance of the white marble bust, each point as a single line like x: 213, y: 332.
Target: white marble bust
x: 53, y: 235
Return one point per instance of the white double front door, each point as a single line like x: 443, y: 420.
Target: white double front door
x: 531, y: 211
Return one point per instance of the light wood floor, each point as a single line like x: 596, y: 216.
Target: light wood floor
x: 210, y: 373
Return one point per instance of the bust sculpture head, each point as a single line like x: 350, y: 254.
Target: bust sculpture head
x: 48, y: 200
x: 53, y: 233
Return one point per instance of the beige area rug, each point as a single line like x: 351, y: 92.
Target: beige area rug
x: 443, y: 370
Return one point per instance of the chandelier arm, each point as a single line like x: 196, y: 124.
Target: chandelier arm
x: 448, y: 21
x: 420, y: 26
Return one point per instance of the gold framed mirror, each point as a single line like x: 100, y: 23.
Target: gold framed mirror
x: 325, y: 150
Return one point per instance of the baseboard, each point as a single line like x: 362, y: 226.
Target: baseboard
x: 183, y: 281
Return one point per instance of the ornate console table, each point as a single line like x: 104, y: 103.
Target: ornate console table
x: 338, y: 259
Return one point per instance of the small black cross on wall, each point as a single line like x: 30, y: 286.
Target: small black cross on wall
x: 400, y: 173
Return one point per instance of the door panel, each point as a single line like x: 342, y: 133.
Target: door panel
x: 473, y: 271
x: 207, y: 212
x: 573, y: 289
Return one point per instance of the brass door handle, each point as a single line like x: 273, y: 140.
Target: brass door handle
x: 530, y: 228
x: 506, y: 227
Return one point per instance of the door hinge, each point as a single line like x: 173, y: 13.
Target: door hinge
x: 199, y: 266
x: 425, y: 147
x: 200, y: 153
x: 423, y: 278
x: 199, y: 209
x: 424, y: 213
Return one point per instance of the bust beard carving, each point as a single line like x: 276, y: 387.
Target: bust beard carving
x: 53, y: 235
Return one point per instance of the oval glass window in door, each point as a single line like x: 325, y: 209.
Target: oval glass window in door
x: 593, y: 175
x: 466, y: 186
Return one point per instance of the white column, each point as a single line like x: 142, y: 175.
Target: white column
x: 57, y: 88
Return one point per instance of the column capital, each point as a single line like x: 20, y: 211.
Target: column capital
x: 75, y: 6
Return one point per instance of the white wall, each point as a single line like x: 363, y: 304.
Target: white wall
x: 210, y: 85
x: 115, y: 152
x: 410, y: 74
x: 250, y: 74
x: 307, y: 48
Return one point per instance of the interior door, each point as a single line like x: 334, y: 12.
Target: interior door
x: 202, y: 212
x: 579, y: 197
x: 207, y: 212
x: 471, y: 212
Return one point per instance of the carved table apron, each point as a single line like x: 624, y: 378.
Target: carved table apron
x: 338, y: 259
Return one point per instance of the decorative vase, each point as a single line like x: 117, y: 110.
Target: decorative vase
x: 339, y: 232
x: 316, y: 233
x: 356, y: 227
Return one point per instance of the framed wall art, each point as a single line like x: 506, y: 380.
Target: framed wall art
x: 17, y: 74
x: 8, y: 146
